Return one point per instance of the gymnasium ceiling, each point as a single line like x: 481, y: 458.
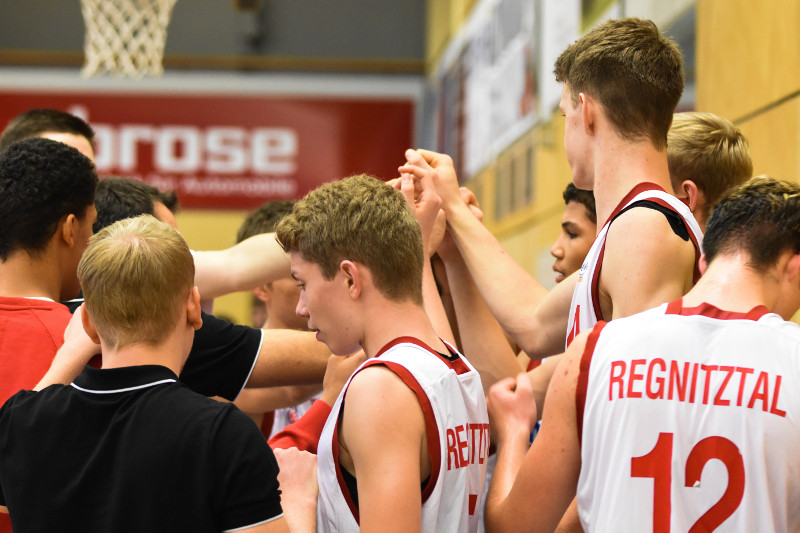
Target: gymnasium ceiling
x: 296, y: 35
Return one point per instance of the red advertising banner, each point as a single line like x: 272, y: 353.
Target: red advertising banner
x: 234, y: 151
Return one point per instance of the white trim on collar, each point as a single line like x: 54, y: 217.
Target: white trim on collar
x: 161, y: 382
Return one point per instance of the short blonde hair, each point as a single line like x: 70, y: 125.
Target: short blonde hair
x: 135, y: 275
x: 708, y: 150
x: 361, y: 219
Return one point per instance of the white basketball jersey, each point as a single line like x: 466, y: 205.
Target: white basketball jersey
x: 584, y: 311
x: 450, y: 393
x: 689, y: 420
x: 289, y: 415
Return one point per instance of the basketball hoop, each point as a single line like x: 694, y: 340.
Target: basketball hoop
x: 125, y: 37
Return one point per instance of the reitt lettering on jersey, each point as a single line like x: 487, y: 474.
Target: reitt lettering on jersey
x: 683, y: 381
x: 467, y: 444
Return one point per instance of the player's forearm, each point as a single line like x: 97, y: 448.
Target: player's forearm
x: 433, y: 305
x: 511, y: 294
x: 252, y: 262
x: 263, y: 399
x: 499, y: 511
x: 301, y: 516
x: 289, y: 357
x: 67, y: 364
x: 540, y: 381
x: 483, y: 340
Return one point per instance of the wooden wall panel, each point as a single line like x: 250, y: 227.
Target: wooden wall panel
x: 774, y: 138
x: 747, y: 54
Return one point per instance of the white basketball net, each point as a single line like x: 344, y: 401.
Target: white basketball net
x: 125, y: 37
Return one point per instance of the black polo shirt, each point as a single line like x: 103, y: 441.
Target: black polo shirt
x: 132, y: 449
x: 222, y: 358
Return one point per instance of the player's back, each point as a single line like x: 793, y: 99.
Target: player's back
x: 691, y: 418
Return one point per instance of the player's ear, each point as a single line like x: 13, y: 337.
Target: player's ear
x: 588, y: 112
x: 194, y: 315
x: 793, y: 267
x: 353, y: 277
x: 263, y: 292
x: 694, y: 196
x: 88, y: 325
x: 702, y: 265
x: 68, y: 228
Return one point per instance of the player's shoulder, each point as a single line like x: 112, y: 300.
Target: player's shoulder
x: 642, y: 219
x: 374, y: 378
x: 646, y: 231
x: 788, y: 330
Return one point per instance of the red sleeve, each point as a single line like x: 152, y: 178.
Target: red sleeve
x: 305, y: 433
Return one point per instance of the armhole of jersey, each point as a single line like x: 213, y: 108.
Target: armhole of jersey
x: 431, y: 430
x: 662, y: 206
x: 455, y: 361
x: 595, y: 288
x: 343, y: 485
x: 583, y: 376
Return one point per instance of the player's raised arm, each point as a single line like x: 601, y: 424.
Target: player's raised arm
x: 483, y: 341
x: 513, y: 296
x: 424, y: 203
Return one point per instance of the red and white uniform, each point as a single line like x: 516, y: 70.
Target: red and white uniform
x: 450, y: 393
x: 689, y: 420
x: 584, y: 311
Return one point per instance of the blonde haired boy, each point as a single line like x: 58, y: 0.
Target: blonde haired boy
x: 127, y: 447
x: 707, y: 155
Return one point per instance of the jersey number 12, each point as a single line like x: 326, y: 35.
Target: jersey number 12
x: 658, y: 465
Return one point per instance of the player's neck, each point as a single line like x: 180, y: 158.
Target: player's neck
x: 619, y: 167
x: 22, y: 275
x: 171, y: 353
x: 731, y: 285
x: 393, y: 320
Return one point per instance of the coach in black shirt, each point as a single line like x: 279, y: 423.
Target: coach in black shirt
x: 127, y: 447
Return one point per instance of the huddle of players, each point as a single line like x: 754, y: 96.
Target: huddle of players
x: 702, y: 367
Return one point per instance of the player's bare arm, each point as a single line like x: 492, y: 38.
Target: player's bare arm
x: 262, y: 399
x: 530, y: 491
x: 483, y: 341
x: 425, y: 205
x: 645, y: 264
x: 383, y: 442
x: 299, y: 489
x: 515, y: 300
x: 540, y: 378
x: 252, y: 262
x: 74, y: 354
x: 289, y: 357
